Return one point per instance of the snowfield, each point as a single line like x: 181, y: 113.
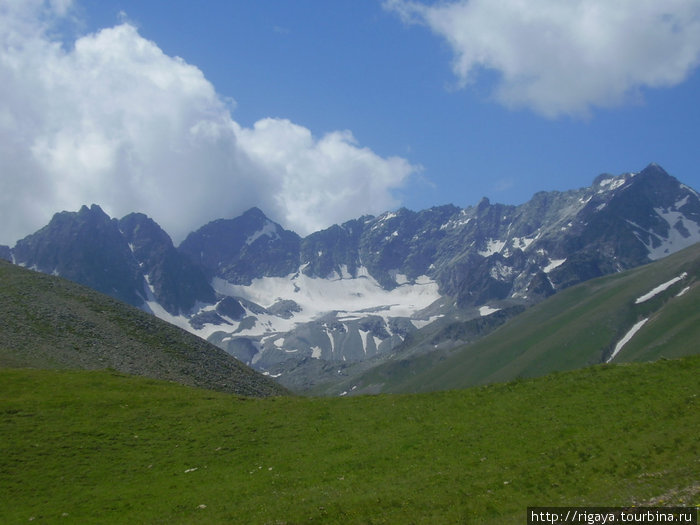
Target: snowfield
x: 351, y: 298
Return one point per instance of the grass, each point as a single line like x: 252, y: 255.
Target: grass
x: 102, y: 447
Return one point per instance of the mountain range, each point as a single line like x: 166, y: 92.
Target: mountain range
x: 308, y: 310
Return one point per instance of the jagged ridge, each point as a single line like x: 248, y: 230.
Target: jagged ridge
x: 301, y: 307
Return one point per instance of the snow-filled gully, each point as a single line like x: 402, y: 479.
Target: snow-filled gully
x: 629, y: 335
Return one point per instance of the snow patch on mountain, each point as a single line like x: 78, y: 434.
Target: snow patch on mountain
x: 683, y: 291
x: 152, y: 306
x: 501, y: 272
x: 420, y: 323
x: 492, y: 246
x: 610, y: 184
x: 523, y: 242
x: 461, y: 220
x: 662, y: 287
x: 683, y: 232
x: 487, y: 310
x: 553, y: 263
x: 691, y: 190
x: 399, y: 278
x: 330, y: 338
x: 681, y: 202
x: 269, y: 229
x: 344, y: 273
x: 626, y: 339
x: 363, y: 335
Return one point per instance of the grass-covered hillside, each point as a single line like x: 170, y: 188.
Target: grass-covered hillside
x: 577, y: 327
x: 49, y: 322
x: 102, y: 447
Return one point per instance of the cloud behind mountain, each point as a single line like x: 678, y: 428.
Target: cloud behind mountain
x: 110, y: 118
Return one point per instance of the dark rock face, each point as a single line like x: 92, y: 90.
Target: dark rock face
x: 331, y: 250
x: 285, y: 308
x: 202, y: 319
x: 176, y: 282
x: 5, y: 253
x: 231, y: 308
x: 118, y: 258
x: 404, y: 242
x: 242, y: 249
x: 88, y: 248
x: 494, y: 251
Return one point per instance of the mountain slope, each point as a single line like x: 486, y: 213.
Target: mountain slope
x: 577, y: 327
x: 50, y: 322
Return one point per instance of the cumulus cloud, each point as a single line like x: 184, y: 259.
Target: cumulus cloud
x: 565, y: 57
x: 111, y: 119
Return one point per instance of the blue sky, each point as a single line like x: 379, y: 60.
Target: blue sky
x: 373, y: 104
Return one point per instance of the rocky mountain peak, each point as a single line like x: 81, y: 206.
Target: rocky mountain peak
x: 483, y: 204
x: 244, y: 248
x: 87, y: 247
x: 175, y: 282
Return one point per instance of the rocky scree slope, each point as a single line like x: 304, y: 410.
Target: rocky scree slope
x: 50, y: 322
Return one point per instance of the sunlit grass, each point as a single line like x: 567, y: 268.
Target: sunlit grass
x: 100, y: 447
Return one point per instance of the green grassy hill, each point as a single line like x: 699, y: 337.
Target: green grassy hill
x: 49, y: 322
x: 102, y: 447
x: 577, y: 327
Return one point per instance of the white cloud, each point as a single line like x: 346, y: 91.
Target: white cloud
x: 318, y: 179
x: 111, y: 119
x: 565, y: 57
